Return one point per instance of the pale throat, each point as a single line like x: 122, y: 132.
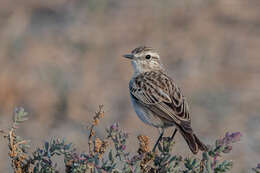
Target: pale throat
x: 142, y: 66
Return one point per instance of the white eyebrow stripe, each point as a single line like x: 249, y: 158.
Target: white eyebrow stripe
x: 153, y: 54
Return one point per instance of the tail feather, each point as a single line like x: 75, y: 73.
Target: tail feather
x: 193, y: 142
x: 201, y: 146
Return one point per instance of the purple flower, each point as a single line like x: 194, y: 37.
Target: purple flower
x: 123, y: 147
x: 75, y: 156
x: 114, y: 127
x: 214, y: 161
x: 235, y: 137
x: 225, y: 143
x: 136, y: 158
x: 229, y: 138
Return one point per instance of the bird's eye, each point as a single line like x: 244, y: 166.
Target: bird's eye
x: 148, y: 56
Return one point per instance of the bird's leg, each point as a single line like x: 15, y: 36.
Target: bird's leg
x: 158, y: 140
x: 174, y: 133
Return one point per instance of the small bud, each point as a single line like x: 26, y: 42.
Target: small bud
x: 227, y: 149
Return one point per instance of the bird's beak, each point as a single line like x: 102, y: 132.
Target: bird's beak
x: 129, y: 56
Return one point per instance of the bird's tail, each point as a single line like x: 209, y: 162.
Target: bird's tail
x: 193, y: 141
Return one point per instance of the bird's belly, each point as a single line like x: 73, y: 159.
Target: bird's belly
x: 147, y: 116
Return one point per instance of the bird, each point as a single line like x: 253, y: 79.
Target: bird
x: 157, y: 100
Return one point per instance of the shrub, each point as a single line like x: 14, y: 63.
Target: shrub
x: 110, y: 154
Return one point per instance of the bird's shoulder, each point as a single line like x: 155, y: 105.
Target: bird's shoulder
x: 154, y: 80
x: 154, y: 85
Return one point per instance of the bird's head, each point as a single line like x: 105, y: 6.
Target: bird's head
x: 144, y: 59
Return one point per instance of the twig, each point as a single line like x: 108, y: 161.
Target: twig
x: 95, y: 121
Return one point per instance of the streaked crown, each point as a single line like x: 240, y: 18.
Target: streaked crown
x: 144, y: 59
x: 141, y: 49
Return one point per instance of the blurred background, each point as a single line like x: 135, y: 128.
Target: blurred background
x: 60, y: 59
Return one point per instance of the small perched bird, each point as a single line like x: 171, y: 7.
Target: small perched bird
x: 157, y: 100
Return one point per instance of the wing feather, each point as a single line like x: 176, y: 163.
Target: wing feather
x: 157, y: 92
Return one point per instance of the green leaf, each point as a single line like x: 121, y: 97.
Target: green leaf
x: 160, y: 147
x: 46, y: 146
x: 110, y: 155
x: 67, y: 146
x: 172, y: 159
x: 19, y: 115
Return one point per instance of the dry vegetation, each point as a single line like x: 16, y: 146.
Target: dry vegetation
x: 110, y: 154
x: 59, y: 59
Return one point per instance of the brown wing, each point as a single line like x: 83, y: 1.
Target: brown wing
x: 156, y: 91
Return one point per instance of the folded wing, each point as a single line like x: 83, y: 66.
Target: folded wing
x: 157, y: 91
